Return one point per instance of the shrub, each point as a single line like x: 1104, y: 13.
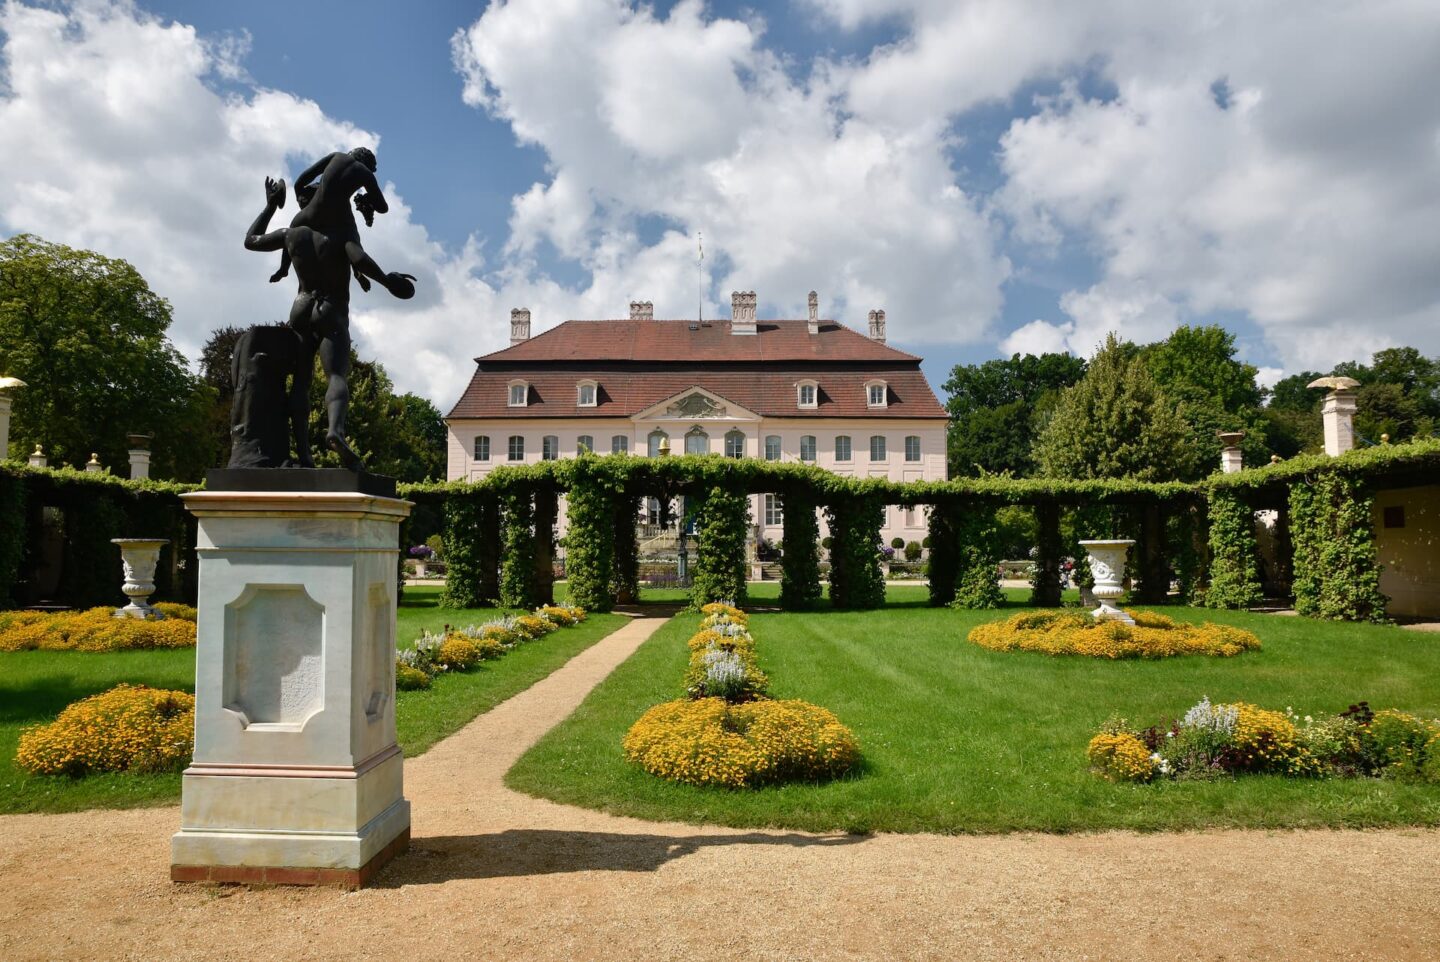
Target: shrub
x: 94, y: 630
x: 1120, y: 757
x: 1076, y: 633
x: 912, y: 551
x: 172, y: 609
x: 1395, y: 743
x: 410, y: 679
x: 530, y: 627
x: 458, y: 653
x: 128, y: 728
x: 897, y: 543
x: 710, y: 742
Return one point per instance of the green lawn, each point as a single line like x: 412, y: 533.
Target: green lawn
x: 960, y: 739
x: 36, y: 685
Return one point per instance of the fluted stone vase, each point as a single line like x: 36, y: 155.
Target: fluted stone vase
x: 138, y: 556
x: 1107, y: 565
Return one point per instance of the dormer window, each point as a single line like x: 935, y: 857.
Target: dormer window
x: 876, y: 394
x: 805, y: 394
x: 585, y: 394
x: 519, y: 394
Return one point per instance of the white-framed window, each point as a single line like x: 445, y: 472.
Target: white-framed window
x: 772, y: 447
x: 620, y: 444
x: 652, y: 511
x: 807, y: 448
x: 519, y: 394
x: 806, y: 393
x: 697, y: 441
x: 585, y: 394
x: 517, y: 447
x: 482, y: 447
x: 584, y: 443
x: 842, y: 447
x: 653, y: 442
x: 774, y: 511
x: 877, y: 447
x: 912, y: 447
x: 876, y: 394
x: 910, y: 516
x: 735, y: 444
x: 549, y: 447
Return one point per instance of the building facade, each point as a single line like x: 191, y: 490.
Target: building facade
x: 808, y: 390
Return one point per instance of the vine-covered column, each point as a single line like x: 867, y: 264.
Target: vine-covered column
x: 1234, y: 555
x: 977, y: 575
x: 517, y: 548
x: 1337, y: 574
x: 720, y: 525
x: 625, y: 568
x: 589, y: 545
x: 800, y: 563
x: 1045, y: 582
x: 944, y: 553
x: 469, y: 549
x: 855, y: 577
x: 1154, y: 584
x: 547, y: 510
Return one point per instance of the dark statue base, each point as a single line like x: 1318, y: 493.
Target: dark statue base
x: 319, y: 480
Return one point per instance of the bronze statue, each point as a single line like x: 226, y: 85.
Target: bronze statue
x: 323, y: 246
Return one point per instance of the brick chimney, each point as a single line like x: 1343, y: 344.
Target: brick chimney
x: 519, y: 325
x: 642, y: 311
x: 1231, y: 459
x: 877, y: 326
x: 812, y: 324
x: 1338, y: 413
x: 742, y: 312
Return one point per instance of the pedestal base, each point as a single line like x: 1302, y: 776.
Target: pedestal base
x: 292, y: 826
x: 1107, y: 612
x: 346, y: 878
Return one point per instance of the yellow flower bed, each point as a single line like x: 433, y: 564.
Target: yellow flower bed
x: 710, y: 742
x: 94, y: 630
x: 1076, y: 633
x: 533, y: 626
x: 128, y: 728
x: 460, y: 653
x: 718, y: 608
x: 1120, y: 757
x: 707, y: 637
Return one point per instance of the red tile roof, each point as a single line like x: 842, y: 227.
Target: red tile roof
x: 712, y: 342
x: 638, y: 364
x: 626, y: 392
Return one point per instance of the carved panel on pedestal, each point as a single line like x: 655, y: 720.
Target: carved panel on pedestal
x: 274, y: 655
x: 380, y: 653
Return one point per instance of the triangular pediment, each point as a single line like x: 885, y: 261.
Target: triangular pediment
x: 696, y: 404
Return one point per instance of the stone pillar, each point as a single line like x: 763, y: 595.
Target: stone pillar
x: 1231, y: 459
x: 1338, y: 413
x: 139, y: 456
x: 7, y: 384
x: 297, y: 776
x: 93, y: 466
x: 38, y: 459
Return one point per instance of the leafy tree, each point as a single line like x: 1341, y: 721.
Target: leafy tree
x: 1197, y: 369
x: 402, y: 436
x: 1399, y: 395
x: 1115, y: 422
x: 215, y: 370
x: 88, y: 336
x: 994, y: 406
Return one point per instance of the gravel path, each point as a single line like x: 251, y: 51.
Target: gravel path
x: 492, y: 874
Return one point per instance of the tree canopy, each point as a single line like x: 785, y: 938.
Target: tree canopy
x: 1115, y: 422
x: 994, y: 408
x: 88, y: 336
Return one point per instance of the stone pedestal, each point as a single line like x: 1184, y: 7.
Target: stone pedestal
x: 296, y: 777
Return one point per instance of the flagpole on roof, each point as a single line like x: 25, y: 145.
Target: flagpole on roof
x: 700, y: 277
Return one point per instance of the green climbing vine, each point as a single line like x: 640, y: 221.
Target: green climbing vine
x: 800, y: 561
x: 855, y: 577
x: 721, y: 522
x: 944, y: 553
x: 977, y: 576
x: 1234, y: 557
x: 1337, y: 575
x: 517, y: 548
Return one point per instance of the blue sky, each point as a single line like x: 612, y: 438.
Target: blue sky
x: 999, y: 176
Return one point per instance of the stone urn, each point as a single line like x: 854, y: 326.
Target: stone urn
x: 139, y: 557
x: 1107, y: 565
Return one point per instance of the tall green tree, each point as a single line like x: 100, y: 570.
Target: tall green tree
x: 995, y: 406
x: 88, y: 336
x: 215, y: 371
x: 1196, y: 368
x: 399, y: 435
x: 1115, y: 422
x: 1399, y: 395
